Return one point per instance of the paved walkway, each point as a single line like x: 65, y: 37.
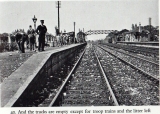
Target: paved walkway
x: 156, y: 47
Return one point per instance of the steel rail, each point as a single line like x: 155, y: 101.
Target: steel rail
x: 146, y: 73
x: 135, y: 56
x: 107, y: 82
x: 66, y: 80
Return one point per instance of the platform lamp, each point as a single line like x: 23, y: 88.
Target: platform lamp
x: 34, y: 20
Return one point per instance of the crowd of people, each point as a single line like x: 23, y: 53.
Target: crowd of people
x: 59, y: 39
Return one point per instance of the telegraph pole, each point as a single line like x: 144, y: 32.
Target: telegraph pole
x: 150, y: 28
x: 74, y: 32
x: 58, y: 6
x: 150, y: 25
x: 58, y: 17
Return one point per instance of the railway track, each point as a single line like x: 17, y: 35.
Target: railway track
x: 149, y: 52
x: 86, y: 85
x: 130, y: 53
x: 148, y: 67
x: 131, y: 87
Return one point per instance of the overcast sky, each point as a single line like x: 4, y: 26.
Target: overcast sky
x: 94, y: 15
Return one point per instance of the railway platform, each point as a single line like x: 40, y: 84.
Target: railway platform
x: 152, y: 44
x: 13, y: 86
x: 154, y: 47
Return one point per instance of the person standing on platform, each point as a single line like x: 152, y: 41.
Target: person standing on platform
x: 41, y: 31
x: 31, y: 37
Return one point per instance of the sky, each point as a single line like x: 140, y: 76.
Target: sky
x: 90, y: 15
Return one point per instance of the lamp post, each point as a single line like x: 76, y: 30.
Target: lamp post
x: 58, y: 6
x: 34, y: 20
x: 150, y: 39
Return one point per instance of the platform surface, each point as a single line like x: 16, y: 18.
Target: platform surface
x: 155, y: 47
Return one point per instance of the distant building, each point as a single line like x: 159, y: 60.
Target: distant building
x: 139, y: 34
x: 136, y: 34
x: 81, y: 36
x: 108, y: 39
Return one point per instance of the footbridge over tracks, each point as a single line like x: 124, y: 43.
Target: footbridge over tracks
x: 90, y: 32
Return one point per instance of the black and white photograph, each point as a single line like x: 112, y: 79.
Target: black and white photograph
x: 79, y: 53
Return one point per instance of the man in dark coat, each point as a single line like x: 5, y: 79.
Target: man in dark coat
x: 20, y: 39
x: 41, y: 30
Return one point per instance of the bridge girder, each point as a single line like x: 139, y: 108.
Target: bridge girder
x: 90, y: 32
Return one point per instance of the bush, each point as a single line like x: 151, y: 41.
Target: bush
x: 4, y: 47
